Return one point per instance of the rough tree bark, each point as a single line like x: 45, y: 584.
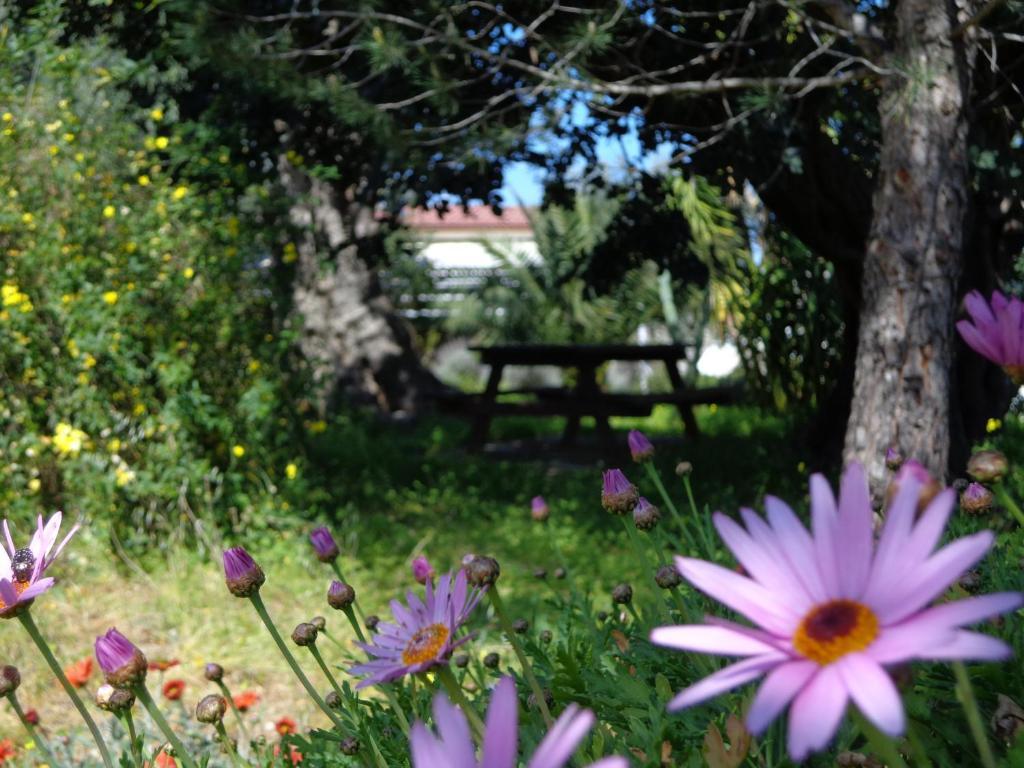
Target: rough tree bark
x: 905, y: 342
x: 359, y: 349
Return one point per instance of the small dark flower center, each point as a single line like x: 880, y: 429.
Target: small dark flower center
x: 23, y: 563
x: 833, y: 629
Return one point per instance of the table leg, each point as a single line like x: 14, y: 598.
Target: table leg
x: 482, y: 420
x: 685, y: 410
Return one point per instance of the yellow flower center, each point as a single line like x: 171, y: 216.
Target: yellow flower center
x: 425, y: 644
x: 832, y: 630
x: 19, y: 587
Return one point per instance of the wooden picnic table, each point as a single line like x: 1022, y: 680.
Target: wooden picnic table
x: 586, y: 397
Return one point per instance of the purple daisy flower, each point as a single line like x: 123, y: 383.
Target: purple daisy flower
x: 122, y: 662
x: 324, y: 544
x: 453, y: 746
x: 640, y: 448
x: 996, y: 331
x: 833, y: 610
x: 422, y: 635
x: 539, y: 509
x: 618, y: 495
x: 242, y: 574
x: 21, y: 570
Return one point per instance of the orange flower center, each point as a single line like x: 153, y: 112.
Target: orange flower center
x: 425, y: 644
x: 832, y: 630
x: 19, y: 587
x: 1015, y: 372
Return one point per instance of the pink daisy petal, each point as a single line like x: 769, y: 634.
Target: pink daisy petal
x: 854, y: 531
x: 704, y: 638
x: 979, y: 342
x: 778, y: 689
x: 890, y: 555
x: 873, y: 691
x: 453, y: 728
x: 970, y: 646
x: 816, y: 712
x: 37, y: 588
x: 501, y: 735
x: 825, y: 520
x: 427, y: 751
x: 741, y: 594
x: 725, y: 679
x: 558, y: 746
x: 797, y: 546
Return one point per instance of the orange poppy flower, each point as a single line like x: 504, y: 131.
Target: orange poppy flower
x: 246, y: 700
x: 6, y: 750
x: 285, y: 725
x: 163, y: 760
x: 162, y: 665
x: 173, y: 689
x: 293, y: 754
x: 78, y: 674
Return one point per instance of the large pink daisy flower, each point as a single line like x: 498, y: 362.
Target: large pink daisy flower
x: 453, y: 746
x: 423, y: 634
x: 996, y: 331
x: 834, y: 609
x: 21, y: 570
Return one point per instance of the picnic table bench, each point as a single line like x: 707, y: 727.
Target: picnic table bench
x: 585, y: 398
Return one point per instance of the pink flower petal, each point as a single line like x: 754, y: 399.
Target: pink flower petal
x: 453, y: 728
x: 502, y: 735
x: 797, y: 546
x: 704, y: 638
x: 825, y: 520
x: 778, y: 689
x: 37, y: 588
x: 980, y: 343
x: 741, y: 594
x: 854, y: 531
x: 873, y: 691
x: 978, y: 308
x: 725, y: 679
x: 427, y: 751
x: 890, y: 555
x: 564, y: 737
x: 816, y: 712
x: 971, y: 646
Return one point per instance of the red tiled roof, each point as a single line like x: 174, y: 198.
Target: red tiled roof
x: 477, y: 217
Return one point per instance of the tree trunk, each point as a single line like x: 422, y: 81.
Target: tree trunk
x: 359, y: 349
x: 905, y: 343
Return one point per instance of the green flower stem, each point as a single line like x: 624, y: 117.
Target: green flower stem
x: 228, y: 746
x: 709, y: 546
x: 634, y: 539
x: 129, y: 722
x: 506, y: 625
x: 883, y: 746
x: 142, y: 693
x: 655, y: 478
x: 444, y: 674
x: 965, y: 693
x: 231, y: 703
x: 33, y: 734
x: 341, y: 578
x: 403, y: 721
x: 325, y: 669
x: 633, y: 613
x: 917, y: 749
x: 1007, y: 501
x: 261, y: 609
x: 30, y: 626
x: 355, y: 624
x: 377, y: 756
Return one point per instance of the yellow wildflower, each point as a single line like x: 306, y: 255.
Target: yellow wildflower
x: 68, y: 440
x: 123, y: 476
x: 992, y: 425
x: 34, y: 485
x: 157, y: 114
x: 110, y: 297
x: 27, y: 217
x: 109, y: 212
x: 238, y: 451
x: 8, y: 117
x: 89, y: 361
x: 82, y: 378
x: 113, y: 445
x: 161, y: 142
x: 143, y: 180
x: 290, y: 253
x: 254, y: 366
x: 188, y: 272
x: 139, y: 409
x: 179, y: 192
x: 318, y: 426
x: 291, y: 471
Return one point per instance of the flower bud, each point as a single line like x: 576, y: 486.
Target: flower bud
x: 333, y: 700
x: 684, y: 468
x: 324, y: 545
x: 560, y: 573
x: 304, y: 634
x: 371, y: 622
x: 115, y: 700
x: 540, y: 573
x: 211, y: 709
x: 422, y: 570
x: 618, y: 495
x: 987, y: 466
x: 640, y: 448
x: 122, y: 663
x: 545, y: 636
x: 520, y: 626
x: 243, y: 576
x: 893, y: 458
x: 461, y: 660
x: 602, y: 615
x: 913, y: 469
x: 340, y: 595
x: 350, y: 746
x: 549, y: 699
x: 213, y: 672
x: 622, y: 594
x: 645, y: 515
x: 668, y: 576
x: 482, y: 571
x: 319, y: 622
x: 539, y: 509
x: 975, y: 499
x: 10, y: 679
x: 492, y: 660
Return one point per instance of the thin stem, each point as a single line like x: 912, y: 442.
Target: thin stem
x: 129, y: 722
x: 261, y: 609
x: 1009, y: 503
x: 403, y: 722
x: 33, y: 734
x: 965, y: 693
x: 506, y: 625
x: 142, y: 692
x: 228, y: 746
x: 444, y: 674
x: 355, y: 624
x: 709, y: 546
x: 918, y: 750
x: 377, y: 756
x: 231, y: 703
x: 325, y: 669
x: 883, y: 746
x: 30, y: 626
x: 655, y: 478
